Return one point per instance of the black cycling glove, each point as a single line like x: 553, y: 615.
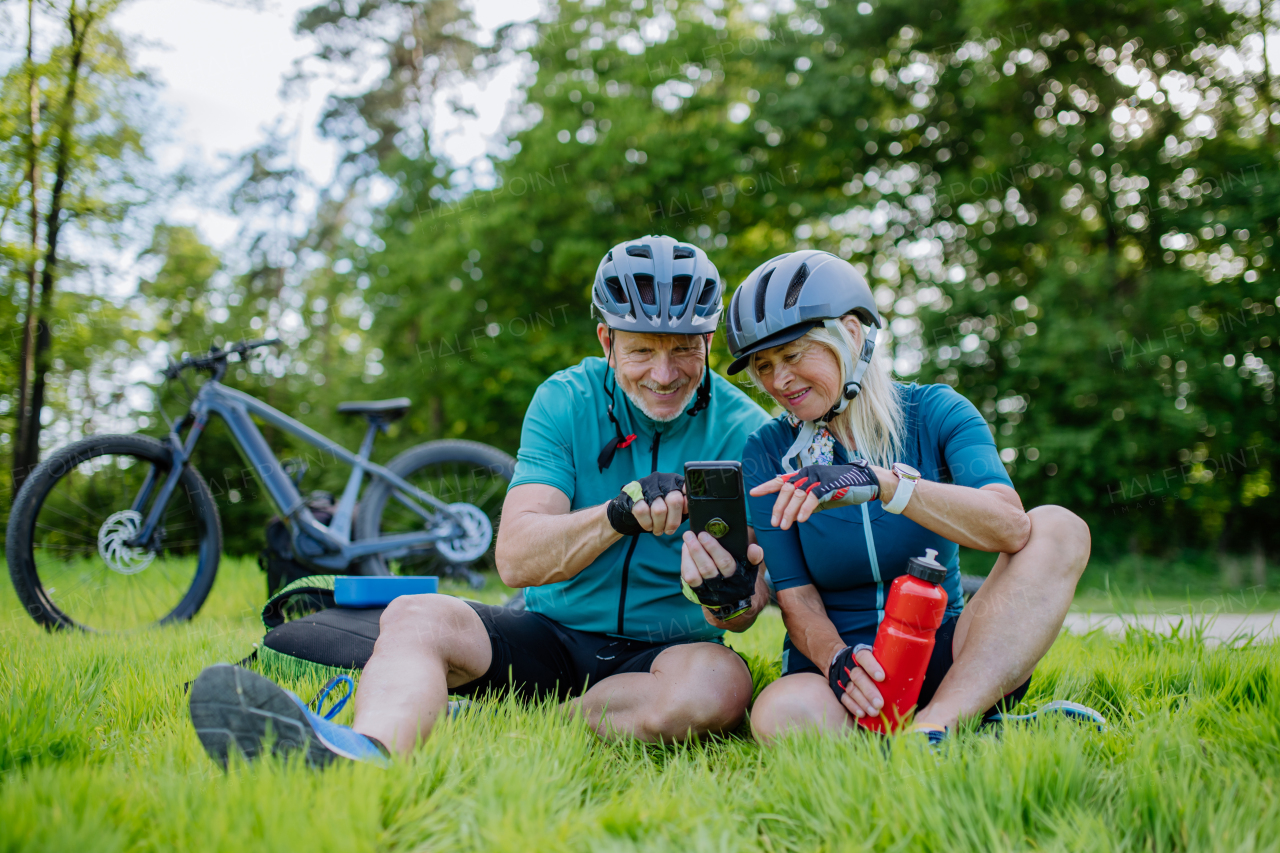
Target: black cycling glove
x: 725, y: 597
x: 647, y: 489
x: 842, y: 667
x: 837, y: 485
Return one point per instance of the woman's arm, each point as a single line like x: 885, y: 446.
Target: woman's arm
x: 989, y: 519
x: 816, y: 637
x: 808, y: 625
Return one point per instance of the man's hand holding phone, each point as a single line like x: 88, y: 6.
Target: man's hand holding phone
x: 703, y: 558
x: 653, y: 504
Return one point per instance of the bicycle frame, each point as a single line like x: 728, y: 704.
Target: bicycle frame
x: 337, y: 551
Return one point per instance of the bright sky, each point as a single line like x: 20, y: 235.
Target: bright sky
x: 221, y: 68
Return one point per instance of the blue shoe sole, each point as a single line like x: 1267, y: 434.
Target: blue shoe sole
x: 1073, y: 711
x: 235, y: 709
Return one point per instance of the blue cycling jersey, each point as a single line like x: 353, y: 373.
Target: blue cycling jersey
x: 947, y: 440
x: 631, y: 590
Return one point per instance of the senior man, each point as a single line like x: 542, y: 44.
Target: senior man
x: 589, y: 529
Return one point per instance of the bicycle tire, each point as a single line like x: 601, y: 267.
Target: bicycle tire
x: 369, y: 517
x: 20, y: 537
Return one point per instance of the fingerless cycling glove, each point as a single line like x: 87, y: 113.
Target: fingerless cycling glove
x: 837, y: 485
x: 647, y: 489
x: 725, y: 597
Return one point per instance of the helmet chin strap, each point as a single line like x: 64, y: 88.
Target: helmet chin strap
x: 704, y: 387
x: 611, y: 447
x: 853, y: 371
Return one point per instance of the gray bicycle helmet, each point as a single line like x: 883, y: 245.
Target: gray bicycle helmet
x: 660, y: 286
x: 657, y: 285
x: 786, y: 296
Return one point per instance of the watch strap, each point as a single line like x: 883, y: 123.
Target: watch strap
x: 901, y: 495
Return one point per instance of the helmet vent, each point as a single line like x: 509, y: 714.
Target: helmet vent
x: 640, y: 252
x: 761, y: 289
x: 733, y: 312
x: 644, y: 284
x: 680, y: 288
x: 682, y: 252
x: 708, y: 292
x: 615, y: 290
x: 796, y: 285
x: 608, y: 259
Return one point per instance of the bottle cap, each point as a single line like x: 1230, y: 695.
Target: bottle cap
x: 927, y: 568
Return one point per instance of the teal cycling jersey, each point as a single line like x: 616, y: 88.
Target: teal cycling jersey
x: 632, y: 589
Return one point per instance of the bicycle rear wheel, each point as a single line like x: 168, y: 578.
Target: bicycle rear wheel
x: 66, y: 536
x: 455, y: 471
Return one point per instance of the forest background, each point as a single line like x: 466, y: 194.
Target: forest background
x: 1067, y: 211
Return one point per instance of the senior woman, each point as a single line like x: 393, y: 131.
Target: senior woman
x: 894, y: 469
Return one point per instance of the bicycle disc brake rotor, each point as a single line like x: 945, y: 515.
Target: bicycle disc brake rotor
x: 475, y: 539
x: 119, y: 557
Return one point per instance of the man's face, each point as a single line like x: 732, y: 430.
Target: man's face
x: 658, y: 373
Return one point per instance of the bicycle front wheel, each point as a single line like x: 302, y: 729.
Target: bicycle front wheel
x: 69, y: 525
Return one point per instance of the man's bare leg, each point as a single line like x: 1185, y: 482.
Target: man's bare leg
x: 1013, y: 619
x: 690, y: 690
x: 426, y: 645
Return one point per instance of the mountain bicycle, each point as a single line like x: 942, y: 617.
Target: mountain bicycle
x: 118, y: 532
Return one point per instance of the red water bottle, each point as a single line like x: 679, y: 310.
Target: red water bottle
x: 904, y: 642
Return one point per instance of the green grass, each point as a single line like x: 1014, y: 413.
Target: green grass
x: 97, y: 754
x: 1190, y: 583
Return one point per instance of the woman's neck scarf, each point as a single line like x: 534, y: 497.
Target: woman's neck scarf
x: 814, y: 445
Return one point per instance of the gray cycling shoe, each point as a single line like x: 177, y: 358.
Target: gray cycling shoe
x: 235, y: 709
x: 1059, y: 707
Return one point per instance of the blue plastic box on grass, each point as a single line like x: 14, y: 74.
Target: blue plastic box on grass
x: 378, y: 592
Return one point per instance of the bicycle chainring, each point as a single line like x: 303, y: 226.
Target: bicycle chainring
x: 118, y: 529
x: 476, y: 537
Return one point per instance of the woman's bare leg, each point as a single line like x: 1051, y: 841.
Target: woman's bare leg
x: 797, y: 703
x: 1013, y: 620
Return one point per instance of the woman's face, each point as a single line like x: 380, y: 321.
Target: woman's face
x: 802, y: 376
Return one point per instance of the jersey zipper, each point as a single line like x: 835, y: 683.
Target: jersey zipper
x: 631, y: 549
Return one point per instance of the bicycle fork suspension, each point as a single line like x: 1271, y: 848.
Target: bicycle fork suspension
x: 181, y: 454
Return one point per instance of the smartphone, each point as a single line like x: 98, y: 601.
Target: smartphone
x: 717, y: 504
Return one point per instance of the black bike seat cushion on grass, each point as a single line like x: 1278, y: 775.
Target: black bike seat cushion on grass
x: 339, y: 637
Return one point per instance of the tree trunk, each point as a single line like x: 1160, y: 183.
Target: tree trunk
x: 1266, y: 72
x: 44, y: 337
x: 1259, y: 564
x: 26, y: 356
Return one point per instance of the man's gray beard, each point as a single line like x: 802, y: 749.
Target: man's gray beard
x: 665, y: 419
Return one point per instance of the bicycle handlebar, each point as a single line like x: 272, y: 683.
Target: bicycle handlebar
x: 217, y: 357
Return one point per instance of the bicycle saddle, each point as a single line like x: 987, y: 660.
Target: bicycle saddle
x: 383, y: 410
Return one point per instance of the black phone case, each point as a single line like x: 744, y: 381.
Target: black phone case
x: 730, y: 511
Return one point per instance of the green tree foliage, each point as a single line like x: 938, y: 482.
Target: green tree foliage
x: 77, y: 112
x: 1069, y: 209
x: 1066, y: 210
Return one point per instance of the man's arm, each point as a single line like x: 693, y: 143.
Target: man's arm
x: 540, y: 541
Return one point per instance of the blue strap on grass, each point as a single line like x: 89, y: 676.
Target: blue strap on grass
x: 318, y: 702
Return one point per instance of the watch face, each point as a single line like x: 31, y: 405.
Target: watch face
x: 906, y: 471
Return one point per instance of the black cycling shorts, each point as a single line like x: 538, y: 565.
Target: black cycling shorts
x: 939, y: 665
x: 536, y: 657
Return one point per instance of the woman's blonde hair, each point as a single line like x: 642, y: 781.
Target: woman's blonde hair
x: 873, y: 423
